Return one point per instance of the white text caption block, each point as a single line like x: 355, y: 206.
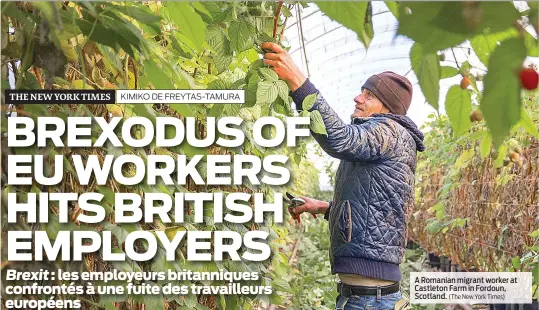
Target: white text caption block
x: 180, y: 96
x: 470, y: 287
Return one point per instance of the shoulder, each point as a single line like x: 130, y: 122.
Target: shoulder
x: 380, y: 125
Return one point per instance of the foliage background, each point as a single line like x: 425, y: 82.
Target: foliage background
x: 198, y: 45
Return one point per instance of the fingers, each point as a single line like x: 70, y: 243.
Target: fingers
x: 272, y: 56
x: 300, y: 209
x: 271, y: 63
x: 272, y: 47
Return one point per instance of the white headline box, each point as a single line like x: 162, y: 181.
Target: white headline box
x: 470, y: 287
x: 180, y: 96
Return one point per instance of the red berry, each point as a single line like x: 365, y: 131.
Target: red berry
x: 465, y: 82
x: 529, y: 78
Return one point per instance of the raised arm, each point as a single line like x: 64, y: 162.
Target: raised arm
x: 369, y: 141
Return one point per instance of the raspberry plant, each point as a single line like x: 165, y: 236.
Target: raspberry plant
x: 199, y: 45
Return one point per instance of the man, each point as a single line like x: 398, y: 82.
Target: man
x: 374, y: 182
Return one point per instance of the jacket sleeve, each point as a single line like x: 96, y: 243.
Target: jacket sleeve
x: 326, y: 214
x: 369, y: 141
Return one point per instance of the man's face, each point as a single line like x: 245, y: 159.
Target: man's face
x: 367, y: 104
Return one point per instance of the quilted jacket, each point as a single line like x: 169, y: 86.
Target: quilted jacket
x: 374, y: 185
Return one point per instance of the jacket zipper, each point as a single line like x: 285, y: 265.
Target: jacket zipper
x: 349, y: 224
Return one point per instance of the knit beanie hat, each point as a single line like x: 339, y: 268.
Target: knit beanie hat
x: 395, y: 91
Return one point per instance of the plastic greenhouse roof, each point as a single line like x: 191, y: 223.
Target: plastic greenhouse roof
x: 338, y: 64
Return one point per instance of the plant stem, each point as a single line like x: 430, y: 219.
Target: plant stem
x: 135, y: 72
x: 126, y: 68
x: 84, y: 76
x: 452, y: 51
x: 298, y: 10
x: 276, y: 18
x: 284, y: 24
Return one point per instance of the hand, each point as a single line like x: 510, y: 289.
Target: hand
x: 312, y: 206
x: 280, y: 61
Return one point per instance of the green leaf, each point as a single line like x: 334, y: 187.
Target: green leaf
x: 275, y: 298
x: 309, y: 101
x: 218, y: 41
x: 269, y: 74
x: 281, y: 285
x: 123, y: 29
x: 266, y: 92
x: 474, y: 17
x: 183, y: 109
x: 464, y: 159
x: 231, y: 109
x: 484, y: 147
x: 105, y: 35
x: 528, y: 124
x: 117, y: 231
x: 219, y: 13
x: 251, y: 90
x: 216, y: 110
x: 534, y: 234
x: 199, y: 306
x: 200, y: 8
x: 188, y: 22
x: 501, y: 105
x: 283, y: 91
x: 253, y: 68
x: 439, y: 209
x: 189, y: 150
x: 11, y: 10
x: 222, y: 56
x: 368, y: 30
x: 393, y: 7
x: 241, y: 35
x: 28, y: 55
x: 156, y: 76
x: 219, y: 84
x: 349, y: 14
x: 49, y: 11
x: 484, y: 44
x: 29, y: 81
x: 145, y: 110
x: 502, y: 153
x: 532, y: 45
x: 12, y: 50
x: 191, y: 300
x: 286, y: 11
x: 111, y: 56
x: 500, y: 239
x: 427, y: 69
x: 156, y: 302
x: 465, y: 68
x: 458, y: 106
x: 434, y: 227
x: 416, y: 21
x: 516, y: 262
x: 447, y: 72
x: 222, y: 301
x: 317, y: 123
x: 264, y: 24
x: 142, y: 14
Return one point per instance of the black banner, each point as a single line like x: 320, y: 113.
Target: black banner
x: 60, y: 96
